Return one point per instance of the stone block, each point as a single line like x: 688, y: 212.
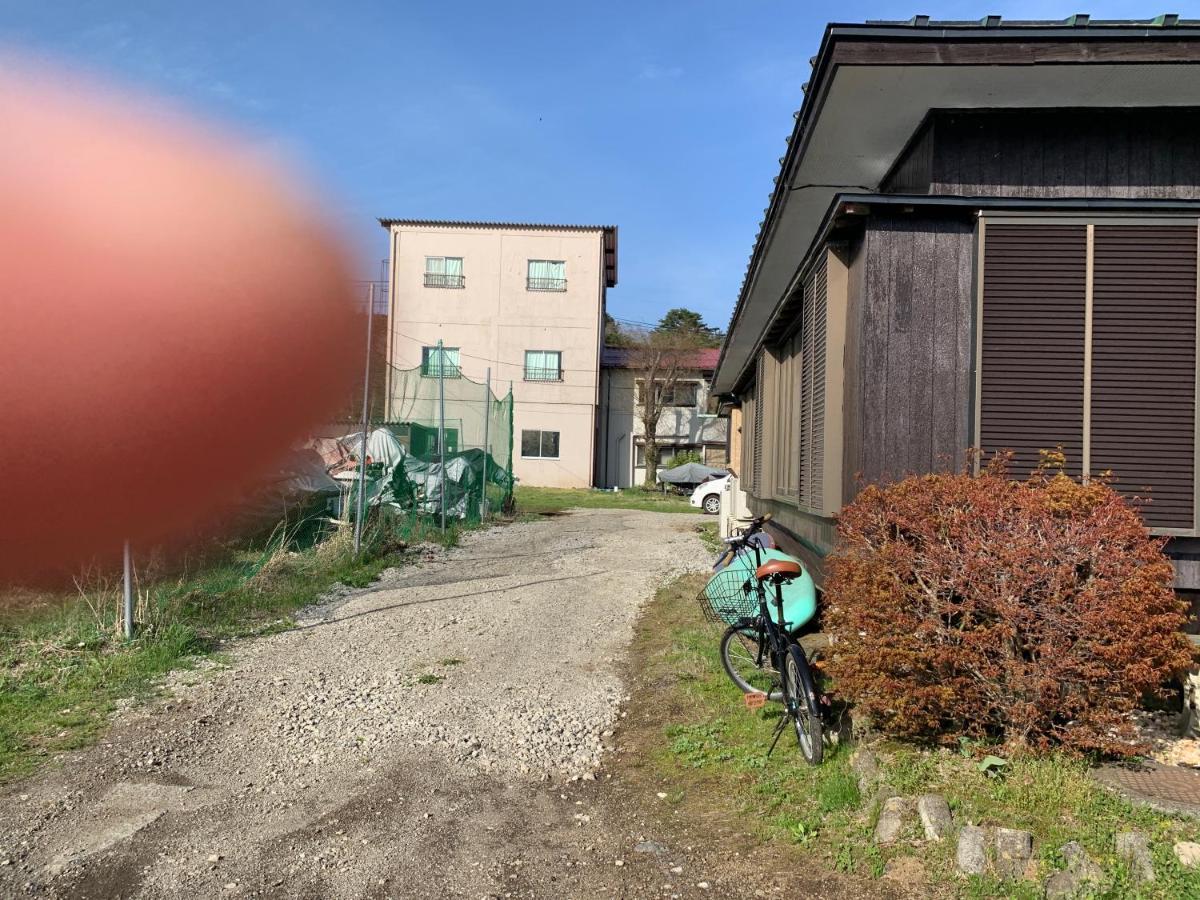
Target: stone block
x: 935, y: 816
x: 971, y: 855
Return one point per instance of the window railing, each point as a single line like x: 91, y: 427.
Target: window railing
x: 532, y: 374
x: 436, y: 280
x: 546, y: 284
x: 449, y: 370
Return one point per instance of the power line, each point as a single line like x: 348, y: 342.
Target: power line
x: 499, y: 362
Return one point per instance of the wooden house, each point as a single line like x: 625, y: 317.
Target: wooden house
x: 983, y: 235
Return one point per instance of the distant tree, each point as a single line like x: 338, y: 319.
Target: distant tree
x: 688, y: 322
x: 613, y: 335
x: 658, y: 358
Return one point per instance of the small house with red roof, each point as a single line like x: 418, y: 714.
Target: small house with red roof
x: 688, y: 423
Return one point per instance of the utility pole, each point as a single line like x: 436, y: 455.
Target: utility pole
x: 128, y: 610
x: 442, y: 424
x: 366, y: 410
x: 487, y: 418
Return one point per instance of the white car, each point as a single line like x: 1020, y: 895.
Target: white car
x: 708, y: 495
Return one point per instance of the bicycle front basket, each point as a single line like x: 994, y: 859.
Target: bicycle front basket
x: 729, y: 597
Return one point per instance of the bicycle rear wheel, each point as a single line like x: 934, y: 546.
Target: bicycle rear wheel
x: 801, y: 698
x: 739, y: 658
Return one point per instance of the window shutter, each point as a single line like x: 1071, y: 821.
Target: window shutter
x: 1031, y: 377
x: 1144, y: 365
x: 811, y: 394
x: 816, y: 429
x: 759, y: 397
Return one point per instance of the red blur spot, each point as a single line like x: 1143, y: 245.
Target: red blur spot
x: 172, y: 316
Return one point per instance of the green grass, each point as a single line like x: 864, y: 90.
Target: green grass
x: 534, y: 501
x: 714, y: 750
x: 710, y: 537
x: 64, y: 664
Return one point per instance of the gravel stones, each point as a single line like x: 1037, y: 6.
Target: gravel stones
x: 332, y: 720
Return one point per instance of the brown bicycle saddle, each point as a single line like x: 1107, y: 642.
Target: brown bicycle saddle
x: 784, y: 568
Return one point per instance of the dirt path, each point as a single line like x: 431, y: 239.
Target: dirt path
x: 438, y: 735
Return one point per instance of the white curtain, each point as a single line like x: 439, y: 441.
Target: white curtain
x: 544, y: 268
x: 454, y: 265
x: 542, y: 363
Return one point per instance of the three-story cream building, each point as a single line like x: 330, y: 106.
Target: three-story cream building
x: 526, y: 301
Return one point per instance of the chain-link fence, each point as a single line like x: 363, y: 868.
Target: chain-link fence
x: 438, y: 444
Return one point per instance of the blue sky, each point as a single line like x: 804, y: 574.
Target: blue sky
x: 664, y: 118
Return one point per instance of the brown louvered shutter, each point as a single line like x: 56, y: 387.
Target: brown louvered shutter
x: 1144, y: 365
x: 759, y: 400
x: 816, y: 429
x: 1031, y: 374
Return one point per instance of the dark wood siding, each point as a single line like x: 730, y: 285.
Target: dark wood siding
x: 1031, y: 382
x: 1146, y: 153
x: 908, y: 349
x: 854, y: 256
x: 1144, y: 365
x: 914, y: 172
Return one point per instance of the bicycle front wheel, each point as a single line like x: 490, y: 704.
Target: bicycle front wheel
x: 739, y: 658
x: 803, y: 706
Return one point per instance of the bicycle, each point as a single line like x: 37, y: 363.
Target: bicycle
x: 760, y: 652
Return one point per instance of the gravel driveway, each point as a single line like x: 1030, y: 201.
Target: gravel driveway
x: 437, y: 735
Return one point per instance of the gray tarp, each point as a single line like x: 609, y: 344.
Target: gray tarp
x: 689, y: 473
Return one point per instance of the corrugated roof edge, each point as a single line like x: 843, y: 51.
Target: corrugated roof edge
x: 609, y: 232
x: 1077, y: 27
x: 703, y: 359
x: 457, y: 223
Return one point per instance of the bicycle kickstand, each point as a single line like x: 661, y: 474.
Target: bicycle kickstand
x: 779, y: 729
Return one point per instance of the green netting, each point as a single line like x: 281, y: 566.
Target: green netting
x: 405, y: 459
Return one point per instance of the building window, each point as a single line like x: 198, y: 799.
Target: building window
x: 547, y: 275
x: 539, y: 444
x: 682, y: 393
x: 444, y: 272
x: 666, y: 454
x: 447, y: 366
x: 423, y: 441
x: 543, y: 365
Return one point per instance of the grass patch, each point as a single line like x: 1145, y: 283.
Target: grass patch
x: 713, y: 751
x: 430, y: 678
x: 451, y: 661
x: 536, y: 501
x: 710, y: 537
x: 64, y: 663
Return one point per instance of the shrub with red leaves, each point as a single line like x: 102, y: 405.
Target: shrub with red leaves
x: 1038, y: 613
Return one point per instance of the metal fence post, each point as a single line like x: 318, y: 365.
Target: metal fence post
x: 128, y: 611
x: 442, y: 424
x: 487, y: 418
x: 362, y: 452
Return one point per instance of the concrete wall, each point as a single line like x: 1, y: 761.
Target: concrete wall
x: 494, y: 319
